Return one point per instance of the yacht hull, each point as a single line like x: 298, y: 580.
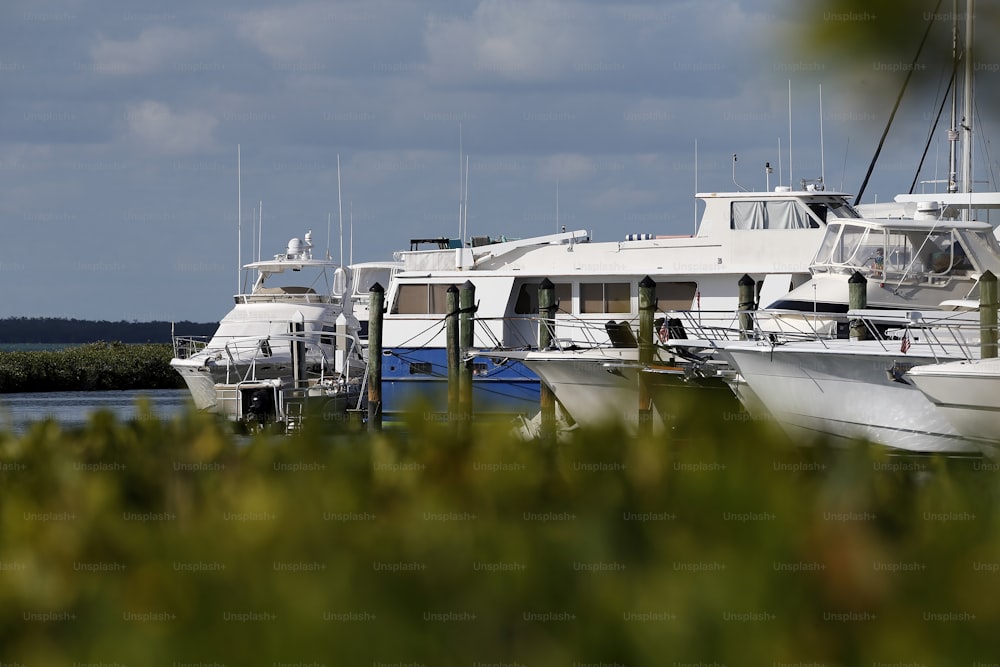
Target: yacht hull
x: 966, y: 393
x: 815, y: 391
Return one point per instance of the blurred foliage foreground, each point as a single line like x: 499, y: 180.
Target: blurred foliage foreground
x: 91, y: 367
x: 174, y: 543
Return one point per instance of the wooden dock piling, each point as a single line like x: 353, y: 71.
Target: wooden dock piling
x: 466, y: 336
x: 453, y: 349
x: 988, y: 315
x: 746, y: 303
x: 857, y: 299
x: 376, y: 308
x: 546, y: 317
x: 647, y: 309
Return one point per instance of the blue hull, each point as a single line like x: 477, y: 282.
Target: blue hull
x: 417, y: 379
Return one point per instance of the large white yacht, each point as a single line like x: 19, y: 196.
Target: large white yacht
x: 771, y: 236
x: 908, y: 263
x: 296, y: 322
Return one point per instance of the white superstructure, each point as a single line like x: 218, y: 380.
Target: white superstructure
x: 295, y: 323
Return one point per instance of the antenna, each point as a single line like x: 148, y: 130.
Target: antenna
x: 844, y: 172
x: 461, y: 185
x: 779, y: 161
x: 767, y: 176
x: 734, y: 175
x: 260, y: 232
x: 557, y: 204
x: 328, y: 215
x: 351, y: 260
x: 465, y: 206
x: 340, y: 212
x: 239, y: 221
x: 696, y: 185
x: 790, y: 178
x: 822, y: 159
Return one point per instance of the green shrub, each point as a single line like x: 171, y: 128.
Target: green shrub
x: 92, y: 367
x: 175, y: 539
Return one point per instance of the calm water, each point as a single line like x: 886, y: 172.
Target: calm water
x: 73, y: 408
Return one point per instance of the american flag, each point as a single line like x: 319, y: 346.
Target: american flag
x: 905, y: 344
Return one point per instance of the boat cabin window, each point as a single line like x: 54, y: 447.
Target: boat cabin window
x: 676, y: 296
x: 937, y: 252
x: 527, y: 298
x: 764, y: 214
x: 832, y: 209
x: 605, y: 297
x: 421, y: 299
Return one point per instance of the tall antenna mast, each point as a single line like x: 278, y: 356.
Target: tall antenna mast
x: 340, y: 212
x: 465, y: 206
x: 822, y: 157
x: 351, y: 205
x: 696, y: 185
x: 239, y: 222
x: 790, y: 177
x: 260, y: 227
x: 557, y: 204
x: 779, y: 162
x: 461, y: 185
x: 843, y: 172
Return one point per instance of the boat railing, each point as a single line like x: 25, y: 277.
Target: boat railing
x: 188, y: 346
x: 707, y: 325
x: 938, y: 334
x: 257, y: 349
x: 284, y: 297
x: 941, y: 334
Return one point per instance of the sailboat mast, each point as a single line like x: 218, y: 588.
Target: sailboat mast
x: 239, y: 222
x: 953, y: 128
x: 340, y: 212
x: 967, y: 103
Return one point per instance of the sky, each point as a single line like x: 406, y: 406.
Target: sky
x: 120, y: 124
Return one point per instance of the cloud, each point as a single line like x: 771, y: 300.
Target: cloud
x: 154, y: 49
x: 155, y: 127
x: 522, y: 41
x: 287, y: 34
x: 567, y: 168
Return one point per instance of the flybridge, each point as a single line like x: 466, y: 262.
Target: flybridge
x: 451, y: 254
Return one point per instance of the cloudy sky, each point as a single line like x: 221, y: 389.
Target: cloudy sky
x: 119, y: 126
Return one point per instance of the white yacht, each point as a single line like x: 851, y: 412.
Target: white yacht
x: 771, y: 236
x: 295, y: 324
x: 908, y: 264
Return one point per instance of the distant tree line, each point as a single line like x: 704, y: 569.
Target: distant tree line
x: 90, y: 367
x: 72, y: 331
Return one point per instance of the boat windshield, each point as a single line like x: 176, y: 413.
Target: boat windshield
x: 840, y: 245
x: 833, y: 209
x: 896, y: 254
